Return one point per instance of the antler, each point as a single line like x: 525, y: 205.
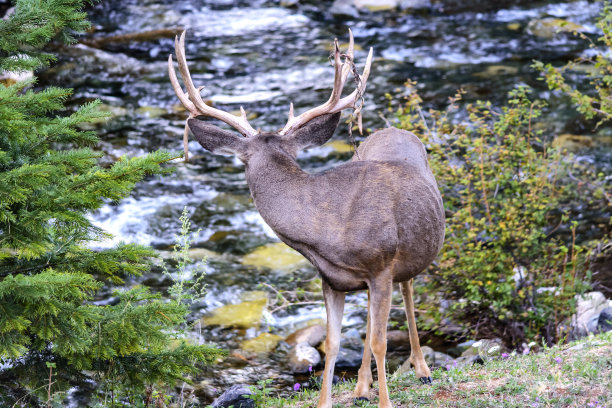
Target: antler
x: 335, y: 103
x: 192, y: 101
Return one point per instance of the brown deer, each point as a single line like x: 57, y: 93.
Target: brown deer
x: 365, y: 224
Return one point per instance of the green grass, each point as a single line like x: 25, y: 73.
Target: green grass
x: 578, y: 374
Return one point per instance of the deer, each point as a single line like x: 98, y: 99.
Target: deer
x: 364, y: 225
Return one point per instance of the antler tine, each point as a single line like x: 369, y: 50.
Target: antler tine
x: 339, y: 77
x: 194, y: 104
x: 177, y: 87
x: 335, y: 103
x: 349, y: 100
x: 346, y: 69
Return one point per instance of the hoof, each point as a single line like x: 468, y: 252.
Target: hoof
x: 359, y: 400
x: 425, y: 380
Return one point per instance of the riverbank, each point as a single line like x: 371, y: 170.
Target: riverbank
x: 578, y: 374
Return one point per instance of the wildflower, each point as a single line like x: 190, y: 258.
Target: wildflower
x: 504, y: 355
x: 559, y: 360
x: 448, y: 367
x: 296, y: 387
x: 310, y: 369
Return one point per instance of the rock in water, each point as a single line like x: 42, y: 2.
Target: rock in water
x: 236, y: 396
x: 344, y: 8
x: 376, y: 5
x: 244, y: 315
x: 264, y: 343
x: 549, y: 27
x: 277, y: 256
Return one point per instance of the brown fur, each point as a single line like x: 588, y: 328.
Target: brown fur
x: 365, y: 224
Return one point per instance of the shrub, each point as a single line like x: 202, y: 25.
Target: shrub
x: 503, y: 270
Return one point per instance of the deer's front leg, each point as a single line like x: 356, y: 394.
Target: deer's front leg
x: 380, y: 304
x: 416, y: 355
x: 334, y: 306
x: 364, y: 380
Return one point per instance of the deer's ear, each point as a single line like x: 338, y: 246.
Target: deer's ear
x: 216, y: 140
x: 317, y: 131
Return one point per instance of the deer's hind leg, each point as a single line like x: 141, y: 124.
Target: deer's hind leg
x: 416, y: 355
x: 380, y: 304
x: 334, y: 306
x: 364, y: 380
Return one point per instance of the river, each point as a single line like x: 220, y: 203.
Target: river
x: 263, y: 55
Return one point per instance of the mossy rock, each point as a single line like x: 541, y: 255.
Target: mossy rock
x: 493, y: 71
x: 264, y: 343
x: 242, y: 315
x: 573, y: 142
x: 151, y: 111
x: 253, y: 296
x: 197, y: 254
x: 377, y: 5
x: 343, y: 46
x: 340, y: 146
x: 231, y: 202
x: 549, y: 27
x: 277, y: 256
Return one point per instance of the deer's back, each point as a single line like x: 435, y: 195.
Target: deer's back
x: 392, y: 144
x: 382, y: 211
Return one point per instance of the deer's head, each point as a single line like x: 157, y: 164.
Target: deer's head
x: 312, y: 128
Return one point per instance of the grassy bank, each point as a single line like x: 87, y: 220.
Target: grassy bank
x: 578, y: 374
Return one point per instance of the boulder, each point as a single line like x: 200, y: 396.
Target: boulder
x: 604, y: 323
x: 313, y: 335
x: 349, y: 358
x: 351, y: 350
x: 236, y: 396
x: 589, y: 307
x: 302, y: 357
x: 398, y: 340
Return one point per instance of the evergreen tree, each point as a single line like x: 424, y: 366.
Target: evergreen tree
x: 50, y: 332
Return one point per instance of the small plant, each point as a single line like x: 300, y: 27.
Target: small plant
x: 261, y: 392
x: 184, y: 287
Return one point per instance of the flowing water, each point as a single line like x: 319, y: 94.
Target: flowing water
x: 261, y: 55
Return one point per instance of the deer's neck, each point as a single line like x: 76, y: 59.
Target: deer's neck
x: 274, y: 180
